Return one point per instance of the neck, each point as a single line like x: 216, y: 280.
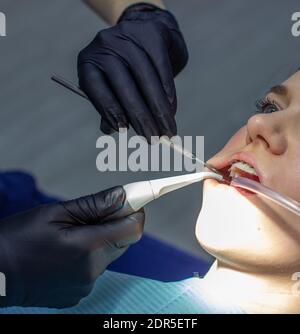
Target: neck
x: 254, y: 292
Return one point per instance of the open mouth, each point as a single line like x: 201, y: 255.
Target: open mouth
x: 239, y: 168
x: 243, y: 169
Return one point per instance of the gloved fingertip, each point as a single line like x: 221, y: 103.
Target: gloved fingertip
x: 170, y: 130
x: 117, y: 196
x: 170, y: 91
x: 154, y: 140
x: 122, y: 126
x: 140, y: 212
x: 173, y: 126
x: 151, y: 133
x: 134, y: 223
x: 109, y: 201
x: 144, y: 133
x: 106, y: 128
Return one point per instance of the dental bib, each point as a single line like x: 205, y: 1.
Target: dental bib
x: 116, y: 293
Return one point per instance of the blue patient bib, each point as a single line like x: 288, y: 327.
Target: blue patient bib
x: 116, y: 293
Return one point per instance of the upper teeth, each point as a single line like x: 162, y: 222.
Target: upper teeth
x: 243, y: 166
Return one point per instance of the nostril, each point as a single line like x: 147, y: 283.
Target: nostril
x: 248, y: 139
x: 261, y: 139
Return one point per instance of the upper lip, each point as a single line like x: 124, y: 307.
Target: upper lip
x: 239, y: 156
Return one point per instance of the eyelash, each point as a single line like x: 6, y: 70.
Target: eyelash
x: 262, y: 104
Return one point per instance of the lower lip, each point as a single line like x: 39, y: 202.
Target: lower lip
x: 244, y: 174
x: 244, y: 192
x: 250, y: 177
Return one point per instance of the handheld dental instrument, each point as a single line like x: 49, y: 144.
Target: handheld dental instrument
x: 163, y: 140
x: 69, y: 85
x: 180, y: 149
x: 258, y: 188
x: 138, y: 194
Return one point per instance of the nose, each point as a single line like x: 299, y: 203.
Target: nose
x: 267, y: 128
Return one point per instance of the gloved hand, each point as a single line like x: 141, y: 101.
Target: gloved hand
x: 127, y: 71
x: 52, y: 255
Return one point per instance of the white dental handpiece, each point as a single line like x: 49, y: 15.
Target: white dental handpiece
x: 138, y: 194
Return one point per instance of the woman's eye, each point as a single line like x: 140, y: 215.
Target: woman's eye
x: 269, y: 109
x: 265, y: 106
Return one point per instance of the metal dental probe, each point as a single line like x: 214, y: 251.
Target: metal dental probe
x: 164, y: 140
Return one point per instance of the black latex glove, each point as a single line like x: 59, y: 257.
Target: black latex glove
x: 52, y: 255
x: 127, y: 71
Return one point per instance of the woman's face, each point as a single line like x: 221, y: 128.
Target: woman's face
x: 246, y: 230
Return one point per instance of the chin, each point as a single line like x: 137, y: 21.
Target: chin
x: 225, y: 216
x: 232, y: 226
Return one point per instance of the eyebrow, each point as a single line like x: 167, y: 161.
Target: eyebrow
x: 279, y: 90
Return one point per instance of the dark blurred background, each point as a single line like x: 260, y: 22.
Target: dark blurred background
x: 238, y: 49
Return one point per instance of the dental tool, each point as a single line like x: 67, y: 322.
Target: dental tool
x: 69, y: 85
x: 180, y: 149
x: 163, y: 140
x: 138, y: 194
x: 276, y: 197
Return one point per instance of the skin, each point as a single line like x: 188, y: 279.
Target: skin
x: 255, y: 242
x: 111, y: 10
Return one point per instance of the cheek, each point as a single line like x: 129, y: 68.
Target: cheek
x: 284, y: 174
x: 292, y: 176
x: 228, y: 220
